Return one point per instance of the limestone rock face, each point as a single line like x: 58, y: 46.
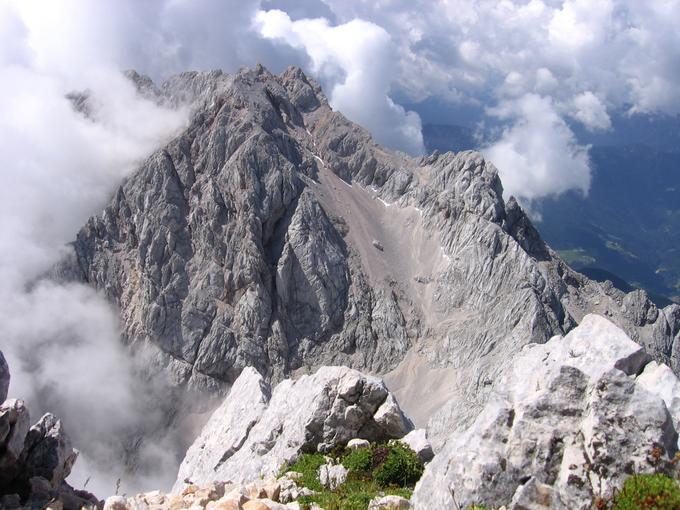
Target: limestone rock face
x: 14, y: 425
x: 274, y: 233
x: 227, y: 429
x: 253, y: 434
x: 569, y: 420
x: 48, y: 452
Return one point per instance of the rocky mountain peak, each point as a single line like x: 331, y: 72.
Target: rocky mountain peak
x: 275, y: 233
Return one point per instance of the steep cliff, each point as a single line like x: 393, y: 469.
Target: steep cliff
x: 274, y: 233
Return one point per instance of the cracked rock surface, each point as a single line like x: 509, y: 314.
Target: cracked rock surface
x: 250, y: 239
x: 568, y: 421
x: 257, y: 430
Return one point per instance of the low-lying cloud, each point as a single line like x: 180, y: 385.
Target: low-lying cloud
x: 538, y: 151
x: 60, y: 166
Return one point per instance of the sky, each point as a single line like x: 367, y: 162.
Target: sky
x: 525, y: 73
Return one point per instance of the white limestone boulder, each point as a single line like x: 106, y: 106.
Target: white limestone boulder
x: 253, y: 435
x: 417, y: 441
x: 569, y: 419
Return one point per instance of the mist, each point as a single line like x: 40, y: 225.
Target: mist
x: 62, y: 342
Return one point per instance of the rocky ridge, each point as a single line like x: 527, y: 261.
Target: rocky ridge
x: 274, y: 233
x: 567, y: 423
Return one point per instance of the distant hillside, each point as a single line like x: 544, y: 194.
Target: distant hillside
x: 629, y: 224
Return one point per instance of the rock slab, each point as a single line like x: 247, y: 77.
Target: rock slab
x: 256, y: 430
x: 569, y: 420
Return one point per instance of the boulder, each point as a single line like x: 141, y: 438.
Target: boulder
x: 48, y: 452
x: 4, y: 378
x: 355, y: 443
x: 226, y: 430
x: 251, y: 435
x: 660, y: 380
x: 568, y: 420
x: 115, y: 503
x: 417, y: 441
x: 332, y: 475
x: 390, y: 418
x: 14, y: 425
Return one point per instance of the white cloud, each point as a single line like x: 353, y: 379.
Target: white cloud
x: 591, y: 112
x: 355, y: 61
x: 538, y: 155
x: 59, y: 167
x: 590, y: 58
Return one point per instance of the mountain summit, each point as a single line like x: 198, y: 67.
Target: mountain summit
x: 275, y: 233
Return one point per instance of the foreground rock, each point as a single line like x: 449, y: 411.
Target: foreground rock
x: 417, y: 441
x: 261, y: 494
x: 256, y: 430
x: 35, y: 461
x: 569, y: 421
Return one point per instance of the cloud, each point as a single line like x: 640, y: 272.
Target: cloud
x: 538, y: 154
x: 60, y: 167
x: 355, y: 62
x: 590, y: 59
x: 591, y: 112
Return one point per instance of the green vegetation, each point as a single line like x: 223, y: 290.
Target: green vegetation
x: 308, y: 464
x: 402, y: 467
x: 359, y: 460
x: 648, y: 492
x: 388, y: 469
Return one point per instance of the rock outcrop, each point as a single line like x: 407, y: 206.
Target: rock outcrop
x: 256, y: 430
x: 274, y: 233
x: 417, y: 441
x: 568, y: 421
x: 35, y: 461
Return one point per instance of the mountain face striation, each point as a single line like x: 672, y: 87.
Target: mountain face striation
x: 274, y: 233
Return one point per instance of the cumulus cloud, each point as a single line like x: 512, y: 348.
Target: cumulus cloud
x: 591, y: 112
x: 590, y: 59
x: 356, y: 62
x: 538, y: 154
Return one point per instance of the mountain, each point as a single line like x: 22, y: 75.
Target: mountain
x: 275, y: 233
x: 626, y: 229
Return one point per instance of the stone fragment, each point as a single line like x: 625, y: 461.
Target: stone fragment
x: 417, y: 441
x: 331, y: 476
x: 389, y: 503
x: 355, y: 443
